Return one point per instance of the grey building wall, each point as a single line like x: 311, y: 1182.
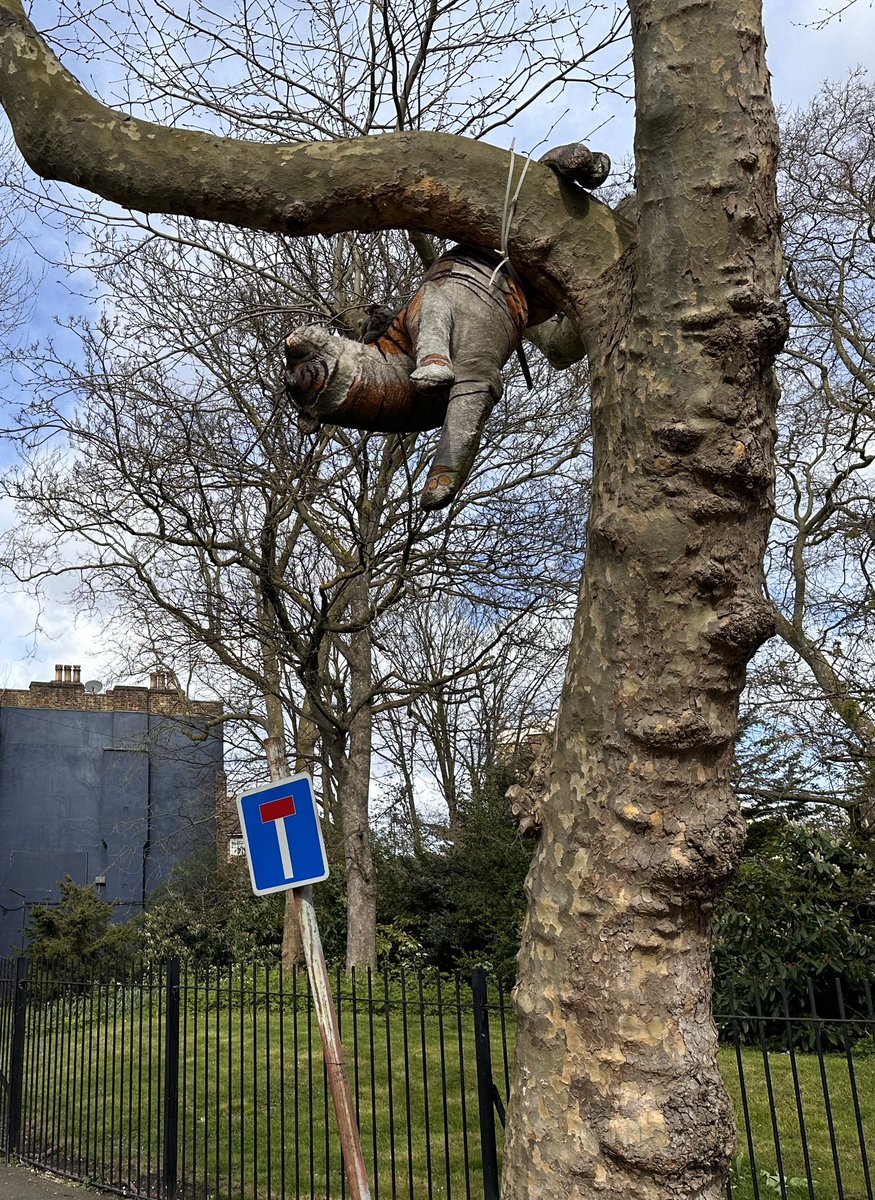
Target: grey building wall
x: 119, y: 794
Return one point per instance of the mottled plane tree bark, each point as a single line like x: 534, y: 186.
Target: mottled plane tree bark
x: 617, y: 1091
x: 617, y: 1087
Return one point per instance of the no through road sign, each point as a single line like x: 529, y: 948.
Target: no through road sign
x: 281, y: 832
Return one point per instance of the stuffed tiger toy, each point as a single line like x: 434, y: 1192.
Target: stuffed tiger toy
x: 439, y: 360
x: 438, y: 363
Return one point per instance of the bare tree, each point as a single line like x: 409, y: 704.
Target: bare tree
x: 819, y: 693
x: 16, y: 286
x: 309, y: 72
x: 617, y: 1089
x: 453, y: 734
x: 185, y: 499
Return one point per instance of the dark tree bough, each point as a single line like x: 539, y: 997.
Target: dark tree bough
x: 616, y: 1090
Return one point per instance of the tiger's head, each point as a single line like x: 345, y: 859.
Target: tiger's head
x: 332, y: 380
x: 311, y: 364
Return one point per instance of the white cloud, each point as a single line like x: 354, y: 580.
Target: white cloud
x: 36, y: 634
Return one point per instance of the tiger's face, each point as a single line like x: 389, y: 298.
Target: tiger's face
x: 332, y: 380
x: 310, y: 366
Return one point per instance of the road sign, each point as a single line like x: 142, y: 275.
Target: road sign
x: 284, y: 846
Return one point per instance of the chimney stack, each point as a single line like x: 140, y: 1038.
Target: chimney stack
x: 163, y: 681
x: 67, y: 673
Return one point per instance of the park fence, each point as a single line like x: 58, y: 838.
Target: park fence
x: 175, y: 1082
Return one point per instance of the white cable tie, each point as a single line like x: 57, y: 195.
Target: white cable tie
x: 499, y: 268
x: 509, y: 211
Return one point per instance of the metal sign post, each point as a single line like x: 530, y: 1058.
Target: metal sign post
x: 291, y: 855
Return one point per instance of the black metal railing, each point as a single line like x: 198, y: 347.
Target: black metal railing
x: 173, y: 1081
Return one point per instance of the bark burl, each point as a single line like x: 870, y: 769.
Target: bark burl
x: 616, y: 1090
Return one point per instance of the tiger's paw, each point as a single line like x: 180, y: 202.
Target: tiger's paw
x: 435, y: 371
x: 441, y: 489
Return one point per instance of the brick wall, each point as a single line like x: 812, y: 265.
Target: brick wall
x: 168, y: 701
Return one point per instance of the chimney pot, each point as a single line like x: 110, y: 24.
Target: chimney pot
x: 153, y: 679
x: 68, y: 673
x: 59, y: 673
x: 77, y: 673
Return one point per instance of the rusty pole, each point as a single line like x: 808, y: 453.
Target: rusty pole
x: 332, y: 1046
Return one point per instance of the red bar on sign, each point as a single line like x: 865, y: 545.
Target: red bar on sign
x: 276, y: 810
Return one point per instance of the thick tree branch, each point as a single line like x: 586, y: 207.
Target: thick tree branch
x: 558, y: 340
x: 795, y: 796
x: 435, y: 183
x: 843, y: 702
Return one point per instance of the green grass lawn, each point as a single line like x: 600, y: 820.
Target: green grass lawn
x: 254, y: 1108
x: 819, y: 1175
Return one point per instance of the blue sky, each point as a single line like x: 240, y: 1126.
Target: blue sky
x: 800, y: 55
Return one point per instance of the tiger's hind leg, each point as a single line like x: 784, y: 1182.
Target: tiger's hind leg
x: 431, y: 342
x: 471, y: 402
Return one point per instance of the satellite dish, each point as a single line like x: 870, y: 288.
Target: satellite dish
x: 93, y: 686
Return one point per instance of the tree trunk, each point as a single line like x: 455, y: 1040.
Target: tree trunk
x: 617, y: 1091
x: 275, y: 723
x: 361, y: 878
x: 305, y: 748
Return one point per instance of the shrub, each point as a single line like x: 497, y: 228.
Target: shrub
x: 80, y: 932
x: 802, y: 908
